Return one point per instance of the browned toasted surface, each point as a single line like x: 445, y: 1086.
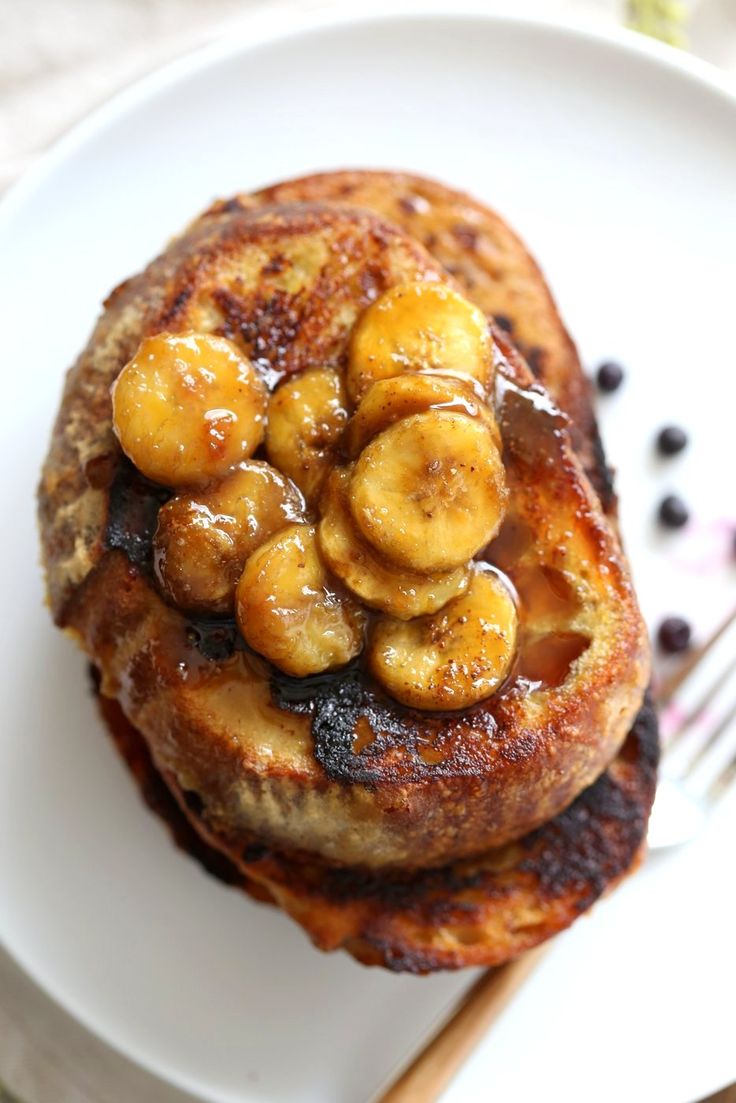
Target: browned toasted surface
x: 263, y: 281
x: 479, y: 912
x: 492, y: 266
x: 287, y: 283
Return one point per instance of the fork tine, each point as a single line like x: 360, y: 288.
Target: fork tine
x: 697, y: 711
x: 721, y: 782
x: 719, y: 730
x: 669, y: 686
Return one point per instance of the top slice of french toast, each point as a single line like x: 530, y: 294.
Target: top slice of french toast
x: 495, y: 270
x: 287, y: 285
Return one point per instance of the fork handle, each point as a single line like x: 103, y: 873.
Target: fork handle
x: 429, y: 1073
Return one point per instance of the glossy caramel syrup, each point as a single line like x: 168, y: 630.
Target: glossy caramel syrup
x: 347, y: 708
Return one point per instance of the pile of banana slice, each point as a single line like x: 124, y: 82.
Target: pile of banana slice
x: 358, y: 531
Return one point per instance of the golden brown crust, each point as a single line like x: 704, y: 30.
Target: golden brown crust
x: 284, y: 324
x: 288, y: 283
x: 492, y: 266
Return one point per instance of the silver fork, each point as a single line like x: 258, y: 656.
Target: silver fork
x: 699, y: 758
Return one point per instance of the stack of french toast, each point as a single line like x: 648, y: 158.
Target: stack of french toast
x: 327, y: 508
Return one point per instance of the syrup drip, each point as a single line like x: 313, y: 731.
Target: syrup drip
x: 545, y: 592
x: 512, y: 542
x: 545, y: 661
x: 531, y: 426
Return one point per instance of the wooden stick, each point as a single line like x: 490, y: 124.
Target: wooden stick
x: 429, y: 1073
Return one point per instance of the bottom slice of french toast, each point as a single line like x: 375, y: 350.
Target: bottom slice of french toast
x: 483, y: 911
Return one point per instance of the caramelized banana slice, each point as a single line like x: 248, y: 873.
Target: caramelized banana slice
x: 453, y: 658
x: 418, y: 325
x: 288, y: 611
x: 187, y: 408
x: 306, y: 418
x: 389, y: 400
x: 203, y: 539
x: 430, y: 491
x: 402, y: 594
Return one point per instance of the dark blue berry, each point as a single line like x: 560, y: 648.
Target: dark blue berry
x: 673, y: 513
x: 674, y: 635
x: 671, y: 440
x: 609, y: 377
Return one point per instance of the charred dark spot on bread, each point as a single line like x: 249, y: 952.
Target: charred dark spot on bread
x: 171, y: 315
x: 275, y: 265
x: 216, y: 638
x: 504, y: 322
x: 133, y: 506
x: 466, y: 236
x: 400, y: 743
x: 254, y: 852
x: 268, y: 333
x: 193, y: 801
x: 100, y: 471
x: 535, y: 359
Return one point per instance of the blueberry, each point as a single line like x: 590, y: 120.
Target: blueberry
x: 609, y: 377
x: 671, y: 440
x: 674, y: 635
x: 673, y: 513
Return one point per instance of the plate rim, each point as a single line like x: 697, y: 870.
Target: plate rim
x: 266, y: 25
x: 257, y: 29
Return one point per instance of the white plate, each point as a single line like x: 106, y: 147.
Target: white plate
x: 617, y: 161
